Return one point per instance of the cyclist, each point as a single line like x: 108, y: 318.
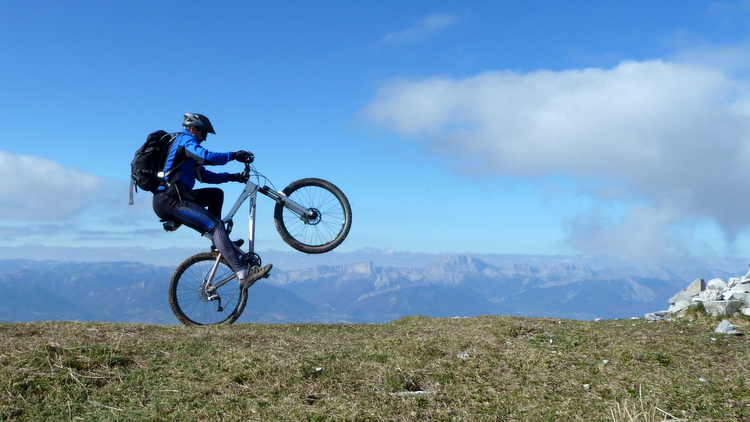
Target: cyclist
x: 200, y: 209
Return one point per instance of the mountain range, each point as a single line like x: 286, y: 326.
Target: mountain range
x: 451, y: 285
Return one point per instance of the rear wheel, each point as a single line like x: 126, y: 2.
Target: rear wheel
x: 193, y: 305
x: 332, y: 216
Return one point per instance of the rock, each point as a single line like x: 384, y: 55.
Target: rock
x: 726, y: 327
x: 679, y: 306
x: 717, y: 284
x: 721, y: 307
x: 719, y: 298
x: 738, y: 294
x: 657, y: 316
x: 693, y: 289
x: 709, y: 295
x: 739, y: 288
x: 410, y: 393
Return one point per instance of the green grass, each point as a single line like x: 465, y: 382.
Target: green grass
x: 413, y: 369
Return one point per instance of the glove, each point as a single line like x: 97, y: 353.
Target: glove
x: 238, y: 177
x: 244, y: 156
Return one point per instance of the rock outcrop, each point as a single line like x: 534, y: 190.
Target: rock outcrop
x: 719, y: 298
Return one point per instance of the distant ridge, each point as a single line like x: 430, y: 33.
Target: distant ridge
x: 450, y: 285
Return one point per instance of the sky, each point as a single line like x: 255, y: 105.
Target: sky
x: 546, y: 127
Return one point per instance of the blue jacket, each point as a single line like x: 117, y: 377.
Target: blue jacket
x: 191, y: 159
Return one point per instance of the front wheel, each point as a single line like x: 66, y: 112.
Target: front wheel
x: 333, y: 216
x: 192, y: 304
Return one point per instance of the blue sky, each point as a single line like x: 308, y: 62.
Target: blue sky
x: 590, y: 128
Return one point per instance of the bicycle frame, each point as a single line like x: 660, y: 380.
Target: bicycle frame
x: 250, y: 192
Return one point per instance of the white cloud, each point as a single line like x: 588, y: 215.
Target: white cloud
x: 643, y: 233
x: 34, y: 188
x: 674, y: 133
x: 421, y: 29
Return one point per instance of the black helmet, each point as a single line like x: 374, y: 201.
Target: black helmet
x: 198, y: 120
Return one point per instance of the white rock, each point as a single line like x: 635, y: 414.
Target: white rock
x: 726, y: 327
x: 740, y: 295
x: 741, y: 288
x: 716, y: 284
x: 657, y: 316
x: 721, y: 307
x: 708, y: 295
x: 678, y: 306
x: 410, y: 393
x: 693, y: 289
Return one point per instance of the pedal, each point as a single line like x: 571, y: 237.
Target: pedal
x: 170, y: 225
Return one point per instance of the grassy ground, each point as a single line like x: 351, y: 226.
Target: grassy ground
x: 413, y: 369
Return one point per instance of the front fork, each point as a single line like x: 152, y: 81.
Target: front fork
x: 305, y: 214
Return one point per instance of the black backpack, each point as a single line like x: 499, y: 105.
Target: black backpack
x: 148, y: 164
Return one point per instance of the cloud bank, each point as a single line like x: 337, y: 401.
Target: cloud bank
x: 671, y: 137
x: 38, y: 189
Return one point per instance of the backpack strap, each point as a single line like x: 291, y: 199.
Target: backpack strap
x: 132, y: 186
x: 177, y: 159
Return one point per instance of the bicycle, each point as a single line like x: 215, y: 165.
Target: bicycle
x: 312, y: 216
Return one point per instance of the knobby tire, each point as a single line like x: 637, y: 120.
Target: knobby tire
x: 324, y: 234
x: 185, y: 300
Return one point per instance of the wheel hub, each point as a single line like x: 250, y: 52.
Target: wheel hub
x: 315, y: 219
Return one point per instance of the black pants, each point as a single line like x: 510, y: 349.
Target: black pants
x: 202, y: 212
x: 211, y: 199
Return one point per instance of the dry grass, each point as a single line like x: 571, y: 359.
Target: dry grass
x: 413, y: 369
x: 639, y: 411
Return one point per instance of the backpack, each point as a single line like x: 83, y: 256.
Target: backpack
x: 146, y: 169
